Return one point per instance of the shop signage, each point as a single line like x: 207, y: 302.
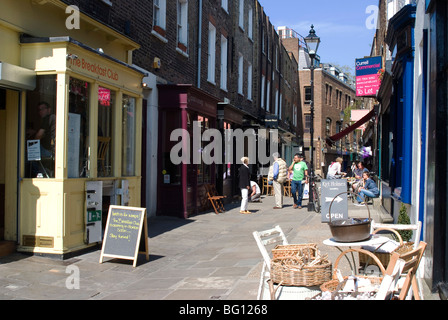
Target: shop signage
x: 334, y: 189
x: 123, y: 234
x: 93, y: 68
x: 367, y: 77
x: 271, y: 121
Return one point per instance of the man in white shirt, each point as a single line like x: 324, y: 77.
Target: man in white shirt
x: 256, y: 192
x: 334, y: 170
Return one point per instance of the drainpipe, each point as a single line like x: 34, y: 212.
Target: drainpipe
x: 198, y: 84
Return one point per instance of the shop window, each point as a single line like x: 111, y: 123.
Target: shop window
x: 78, y: 159
x: 307, y: 95
x: 106, y: 100
x: 41, y: 128
x: 203, y: 170
x: 128, y: 136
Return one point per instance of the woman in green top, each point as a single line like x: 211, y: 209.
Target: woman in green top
x: 300, y: 171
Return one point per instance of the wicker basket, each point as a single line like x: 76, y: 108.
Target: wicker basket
x: 384, y: 257
x: 304, y: 271
x: 291, y: 250
x: 334, y: 284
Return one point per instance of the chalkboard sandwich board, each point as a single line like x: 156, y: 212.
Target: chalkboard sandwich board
x: 123, y: 233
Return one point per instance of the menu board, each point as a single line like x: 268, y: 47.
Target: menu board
x: 122, y: 237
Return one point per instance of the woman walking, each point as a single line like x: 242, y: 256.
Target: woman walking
x: 244, y: 184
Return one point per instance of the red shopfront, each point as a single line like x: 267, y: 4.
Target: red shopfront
x: 181, y: 187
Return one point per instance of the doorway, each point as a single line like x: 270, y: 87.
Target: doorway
x: 2, y: 161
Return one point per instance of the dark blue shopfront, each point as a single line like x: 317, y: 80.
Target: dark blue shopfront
x: 397, y: 94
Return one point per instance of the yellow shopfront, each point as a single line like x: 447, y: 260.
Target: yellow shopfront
x: 80, y: 144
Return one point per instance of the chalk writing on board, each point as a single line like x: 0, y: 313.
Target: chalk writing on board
x: 123, y: 233
x: 123, y: 224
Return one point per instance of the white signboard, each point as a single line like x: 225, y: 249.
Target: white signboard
x: 332, y: 189
x: 33, y: 150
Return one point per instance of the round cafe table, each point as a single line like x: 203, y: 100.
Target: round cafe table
x: 373, y: 240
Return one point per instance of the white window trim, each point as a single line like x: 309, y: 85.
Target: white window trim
x: 224, y: 62
x: 250, y: 17
x: 263, y: 82
x: 162, y: 11
x: 241, y: 15
x: 268, y: 92
x: 240, y: 73
x: 225, y: 5
x: 249, y: 81
x: 108, y: 2
x: 211, y: 53
x: 183, y: 24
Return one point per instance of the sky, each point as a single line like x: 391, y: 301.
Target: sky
x: 345, y: 27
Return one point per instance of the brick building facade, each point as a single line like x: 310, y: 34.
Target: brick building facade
x: 226, y: 58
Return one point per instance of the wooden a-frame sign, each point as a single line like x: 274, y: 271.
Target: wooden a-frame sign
x: 122, y: 237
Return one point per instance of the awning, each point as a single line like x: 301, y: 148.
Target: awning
x: 331, y: 140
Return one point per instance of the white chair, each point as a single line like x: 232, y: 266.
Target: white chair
x: 417, y: 228
x: 266, y: 290
x: 264, y: 238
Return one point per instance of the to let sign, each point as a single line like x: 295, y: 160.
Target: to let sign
x: 334, y: 190
x: 367, y: 77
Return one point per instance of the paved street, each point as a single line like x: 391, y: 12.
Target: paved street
x: 206, y: 257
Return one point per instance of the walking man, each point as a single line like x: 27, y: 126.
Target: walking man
x: 278, y: 177
x: 300, y: 171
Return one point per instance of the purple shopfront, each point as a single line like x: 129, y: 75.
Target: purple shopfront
x: 181, y: 187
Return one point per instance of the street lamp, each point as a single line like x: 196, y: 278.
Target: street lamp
x: 312, y: 44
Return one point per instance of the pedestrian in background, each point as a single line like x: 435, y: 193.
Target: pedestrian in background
x: 334, y: 169
x: 244, y: 184
x: 369, y: 189
x: 278, y: 175
x: 255, y: 196
x: 299, y: 171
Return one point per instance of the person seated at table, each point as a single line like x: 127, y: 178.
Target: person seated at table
x: 358, y: 176
x: 369, y: 189
x: 334, y: 169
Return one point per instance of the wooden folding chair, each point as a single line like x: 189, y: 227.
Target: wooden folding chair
x: 266, y: 186
x: 412, y: 261
x: 215, y: 199
x: 287, y: 188
x: 390, y: 279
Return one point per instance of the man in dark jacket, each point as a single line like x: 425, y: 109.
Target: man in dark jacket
x: 244, y: 184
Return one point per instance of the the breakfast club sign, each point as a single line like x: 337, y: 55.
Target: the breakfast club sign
x: 93, y: 67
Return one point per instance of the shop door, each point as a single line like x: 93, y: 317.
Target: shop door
x: 192, y: 170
